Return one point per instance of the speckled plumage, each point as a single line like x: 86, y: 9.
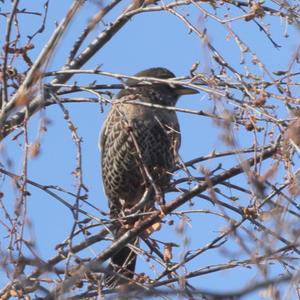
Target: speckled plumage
x: 135, y: 137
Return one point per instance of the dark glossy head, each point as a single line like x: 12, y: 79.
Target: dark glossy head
x: 159, y: 93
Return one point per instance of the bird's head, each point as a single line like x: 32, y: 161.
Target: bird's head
x: 156, y: 92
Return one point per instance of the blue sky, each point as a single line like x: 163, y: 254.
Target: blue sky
x: 148, y: 40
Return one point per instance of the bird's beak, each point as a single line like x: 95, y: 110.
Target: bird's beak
x: 182, y: 90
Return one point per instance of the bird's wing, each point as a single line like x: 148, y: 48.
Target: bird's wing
x: 172, y: 130
x: 103, y: 133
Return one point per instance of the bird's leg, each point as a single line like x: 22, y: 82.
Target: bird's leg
x: 128, y: 214
x: 142, y: 203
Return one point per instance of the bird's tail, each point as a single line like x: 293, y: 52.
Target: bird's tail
x: 122, y: 266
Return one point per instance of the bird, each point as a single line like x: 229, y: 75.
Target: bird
x: 139, y: 147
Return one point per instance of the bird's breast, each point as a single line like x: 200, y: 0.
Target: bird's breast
x: 137, y: 142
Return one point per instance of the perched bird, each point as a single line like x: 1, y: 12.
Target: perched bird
x: 139, y: 146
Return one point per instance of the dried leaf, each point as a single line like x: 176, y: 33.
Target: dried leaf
x: 257, y: 12
x: 34, y: 150
x: 154, y: 227
x: 250, y: 212
x: 249, y: 126
x: 261, y: 100
x: 168, y: 252
x: 258, y: 9
x: 142, y: 278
